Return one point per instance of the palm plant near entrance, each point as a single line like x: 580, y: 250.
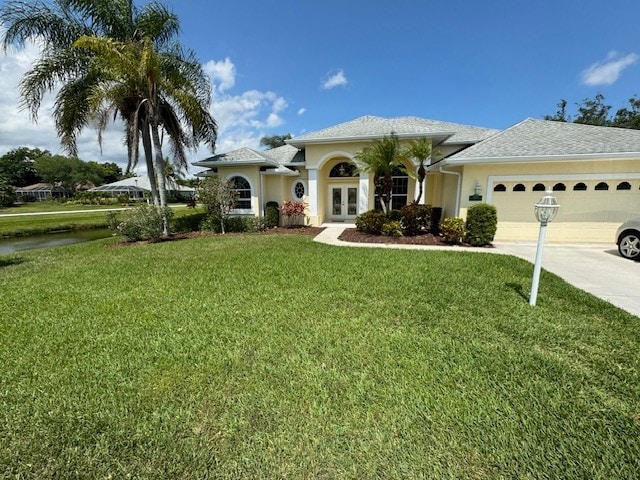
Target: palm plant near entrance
x: 382, y: 157
x: 421, y: 149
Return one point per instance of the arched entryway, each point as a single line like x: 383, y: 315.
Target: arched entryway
x: 342, y: 196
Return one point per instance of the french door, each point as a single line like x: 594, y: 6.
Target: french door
x: 343, y: 202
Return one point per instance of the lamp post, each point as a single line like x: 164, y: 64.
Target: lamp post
x: 545, y: 210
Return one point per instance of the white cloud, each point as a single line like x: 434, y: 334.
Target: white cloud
x: 242, y: 118
x: 337, y: 79
x: 222, y: 73
x: 607, y: 72
x: 301, y: 111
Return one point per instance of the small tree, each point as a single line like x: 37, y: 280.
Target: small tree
x: 421, y: 149
x: 218, y: 197
x: 7, y: 194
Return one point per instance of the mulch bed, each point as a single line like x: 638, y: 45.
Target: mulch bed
x: 353, y: 235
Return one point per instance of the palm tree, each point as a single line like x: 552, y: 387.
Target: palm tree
x: 421, y: 149
x: 60, y: 24
x: 382, y: 157
x: 166, y: 93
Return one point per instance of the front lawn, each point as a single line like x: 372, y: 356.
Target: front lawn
x: 265, y: 356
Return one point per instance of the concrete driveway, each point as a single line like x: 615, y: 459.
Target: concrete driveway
x: 597, y: 269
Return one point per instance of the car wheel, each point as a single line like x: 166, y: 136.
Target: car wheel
x: 629, y: 245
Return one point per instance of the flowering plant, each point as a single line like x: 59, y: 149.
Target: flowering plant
x: 293, y: 211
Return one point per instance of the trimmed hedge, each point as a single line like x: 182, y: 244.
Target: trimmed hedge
x: 482, y: 223
x: 271, y: 215
x: 453, y: 230
x: 371, y: 222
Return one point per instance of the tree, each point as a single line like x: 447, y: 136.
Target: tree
x: 274, y: 140
x: 421, y: 149
x: 218, y: 197
x: 67, y: 171
x: 7, y: 193
x: 109, y: 172
x: 381, y: 157
x: 561, y: 114
x: 593, y: 111
x: 87, y: 75
x: 17, y: 166
x: 628, y: 118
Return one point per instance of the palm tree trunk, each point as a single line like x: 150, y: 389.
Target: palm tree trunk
x: 159, y: 171
x: 148, y: 155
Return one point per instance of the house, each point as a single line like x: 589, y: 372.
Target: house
x: 137, y: 187
x: 41, y: 192
x: 594, y: 172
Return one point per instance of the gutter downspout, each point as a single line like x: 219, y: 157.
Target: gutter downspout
x: 459, y: 186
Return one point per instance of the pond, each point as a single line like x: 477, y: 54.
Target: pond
x: 16, y: 244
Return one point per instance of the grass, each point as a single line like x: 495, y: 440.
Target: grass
x: 275, y: 357
x: 38, y: 224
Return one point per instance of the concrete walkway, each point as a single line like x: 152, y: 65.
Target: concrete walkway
x: 595, y: 268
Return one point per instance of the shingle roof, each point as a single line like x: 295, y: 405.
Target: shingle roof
x: 544, y: 138
x: 242, y: 155
x: 285, y: 154
x: 371, y: 127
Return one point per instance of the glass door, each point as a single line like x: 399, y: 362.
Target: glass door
x: 343, y: 202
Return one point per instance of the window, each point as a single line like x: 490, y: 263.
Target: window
x: 343, y: 169
x: 243, y: 189
x: 559, y: 187
x: 500, y: 188
x: 624, y: 186
x: 519, y: 188
x: 399, y: 191
x: 298, y: 190
x: 580, y: 187
x: 602, y: 186
x: 539, y: 187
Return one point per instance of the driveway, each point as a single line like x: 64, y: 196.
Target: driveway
x: 597, y: 269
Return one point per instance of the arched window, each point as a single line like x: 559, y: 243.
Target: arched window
x: 624, y: 186
x: 539, y: 187
x: 519, y: 187
x: 243, y: 189
x: 580, y: 187
x: 602, y: 186
x: 343, y: 169
x: 298, y: 190
x: 399, y: 192
x: 500, y: 188
x: 559, y: 187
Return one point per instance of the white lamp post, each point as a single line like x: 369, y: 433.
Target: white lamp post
x: 545, y: 210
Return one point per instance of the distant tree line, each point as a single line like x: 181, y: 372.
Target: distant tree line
x: 594, y: 111
x: 25, y: 166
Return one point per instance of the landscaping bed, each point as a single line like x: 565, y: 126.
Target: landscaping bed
x: 356, y: 236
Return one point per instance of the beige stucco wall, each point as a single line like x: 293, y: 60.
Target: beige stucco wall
x: 584, y: 216
x: 252, y: 174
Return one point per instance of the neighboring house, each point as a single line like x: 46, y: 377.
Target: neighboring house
x: 136, y: 187
x: 593, y: 171
x: 41, y: 192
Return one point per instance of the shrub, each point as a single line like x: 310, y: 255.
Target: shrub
x: 232, y: 224
x: 188, y: 223
x: 482, y: 223
x: 7, y: 194
x: 436, y: 216
x: 453, y: 230
x: 395, y: 215
x: 143, y: 223
x: 271, y: 215
x: 113, y: 220
x: 392, y: 228
x: 415, y: 218
x: 293, y: 212
x: 371, y: 222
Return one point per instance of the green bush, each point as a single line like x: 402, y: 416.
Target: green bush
x: 392, y: 228
x: 482, y: 223
x: 436, y: 216
x: 452, y: 229
x: 395, y: 215
x: 232, y: 224
x: 415, y: 218
x: 188, y: 223
x: 7, y: 194
x: 371, y: 222
x: 271, y: 215
x: 143, y: 223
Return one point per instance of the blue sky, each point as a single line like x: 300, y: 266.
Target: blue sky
x: 299, y: 66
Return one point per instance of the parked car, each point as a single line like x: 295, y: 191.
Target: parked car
x: 628, y: 239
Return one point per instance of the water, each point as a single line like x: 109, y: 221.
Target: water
x: 16, y: 244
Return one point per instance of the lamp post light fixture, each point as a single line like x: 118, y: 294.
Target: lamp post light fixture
x: 545, y: 210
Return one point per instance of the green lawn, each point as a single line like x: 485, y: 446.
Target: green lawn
x: 37, y: 224
x: 264, y: 356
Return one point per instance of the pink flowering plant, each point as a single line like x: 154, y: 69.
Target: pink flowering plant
x: 293, y: 213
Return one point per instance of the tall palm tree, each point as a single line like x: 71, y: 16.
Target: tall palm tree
x: 163, y: 85
x: 421, y: 149
x: 382, y: 157
x: 58, y: 25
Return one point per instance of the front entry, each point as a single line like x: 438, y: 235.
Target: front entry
x: 343, y: 202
